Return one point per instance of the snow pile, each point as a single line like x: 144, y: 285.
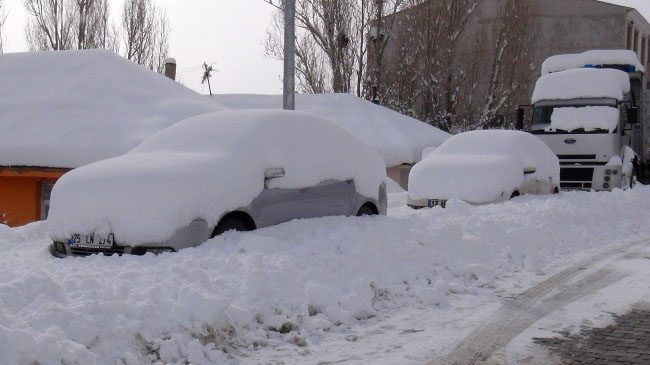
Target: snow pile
x: 294, y: 285
x: 204, y: 167
x: 591, y: 59
x: 398, y: 138
x: 581, y: 84
x: 588, y: 118
x: 482, y: 166
x: 71, y: 108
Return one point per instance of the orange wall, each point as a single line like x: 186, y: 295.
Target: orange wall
x: 20, y: 194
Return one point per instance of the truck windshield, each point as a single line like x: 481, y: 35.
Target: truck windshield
x: 576, y: 117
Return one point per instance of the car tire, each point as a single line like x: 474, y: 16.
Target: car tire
x: 230, y: 224
x: 366, y: 209
x: 556, y: 190
x: 514, y: 194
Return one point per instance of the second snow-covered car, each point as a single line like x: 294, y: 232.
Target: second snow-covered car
x: 209, y: 174
x: 482, y: 167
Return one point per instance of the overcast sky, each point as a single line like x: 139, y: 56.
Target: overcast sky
x: 228, y: 33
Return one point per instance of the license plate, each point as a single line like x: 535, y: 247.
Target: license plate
x: 437, y: 202
x: 92, y: 241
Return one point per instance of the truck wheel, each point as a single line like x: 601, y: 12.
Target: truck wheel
x: 230, y: 224
x: 367, y: 209
x: 514, y: 194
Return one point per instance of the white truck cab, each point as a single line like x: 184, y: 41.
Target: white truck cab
x: 590, y: 109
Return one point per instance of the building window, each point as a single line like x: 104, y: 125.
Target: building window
x: 46, y: 191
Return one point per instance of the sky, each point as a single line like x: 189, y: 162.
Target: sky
x: 229, y: 34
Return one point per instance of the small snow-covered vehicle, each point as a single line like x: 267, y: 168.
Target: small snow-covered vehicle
x: 483, y: 167
x: 234, y: 170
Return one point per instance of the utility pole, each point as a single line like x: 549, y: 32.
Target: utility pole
x: 289, y: 81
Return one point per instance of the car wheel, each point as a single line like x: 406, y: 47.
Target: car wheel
x: 514, y: 194
x: 366, y: 209
x: 230, y: 224
x: 556, y: 190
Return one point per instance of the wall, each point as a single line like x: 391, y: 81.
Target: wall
x: 20, y: 194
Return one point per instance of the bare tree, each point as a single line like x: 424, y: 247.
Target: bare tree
x: 51, y: 24
x: 3, y: 18
x: 93, y: 25
x: 145, y: 33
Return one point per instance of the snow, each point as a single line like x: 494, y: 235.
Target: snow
x: 204, y: 167
x: 581, y: 84
x: 393, y: 289
x: 482, y: 166
x: 70, y: 108
x: 590, y: 59
x: 588, y: 118
x: 398, y: 139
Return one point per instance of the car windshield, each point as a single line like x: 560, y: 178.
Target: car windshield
x: 577, y: 117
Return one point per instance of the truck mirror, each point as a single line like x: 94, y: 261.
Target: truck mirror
x: 519, y: 124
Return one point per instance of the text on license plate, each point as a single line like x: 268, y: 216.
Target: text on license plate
x: 437, y: 202
x: 92, y: 240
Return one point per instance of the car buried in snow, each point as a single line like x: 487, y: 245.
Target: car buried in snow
x: 234, y: 170
x: 482, y: 167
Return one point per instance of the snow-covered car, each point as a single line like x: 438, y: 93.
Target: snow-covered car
x: 484, y: 166
x: 234, y: 170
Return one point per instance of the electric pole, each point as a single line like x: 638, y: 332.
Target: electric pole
x: 289, y: 81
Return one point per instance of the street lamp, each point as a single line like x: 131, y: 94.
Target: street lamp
x: 289, y: 81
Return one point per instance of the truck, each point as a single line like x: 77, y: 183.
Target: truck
x: 591, y: 109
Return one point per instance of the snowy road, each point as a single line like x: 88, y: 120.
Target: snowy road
x: 407, y: 288
x: 577, y: 281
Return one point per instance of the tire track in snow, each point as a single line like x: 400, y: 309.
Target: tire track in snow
x: 523, y: 310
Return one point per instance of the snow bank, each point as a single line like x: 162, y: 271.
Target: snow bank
x: 591, y: 58
x: 589, y: 118
x: 481, y: 166
x: 582, y: 83
x: 295, y: 285
x: 71, y: 108
x: 204, y: 167
x: 398, y: 138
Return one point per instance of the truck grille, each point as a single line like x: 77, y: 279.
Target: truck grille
x: 576, y: 177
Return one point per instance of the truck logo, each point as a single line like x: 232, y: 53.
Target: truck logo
x: 569, y: 141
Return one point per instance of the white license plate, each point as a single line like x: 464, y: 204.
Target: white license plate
x: 92, y: 241
x: 437, y: 202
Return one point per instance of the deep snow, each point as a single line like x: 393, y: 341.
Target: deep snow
x: 70, y: 108
x: 582, y: 84
x: 205, y: 167
x: 302, y: 291
x: 589, y: 118
x: 398, y: 138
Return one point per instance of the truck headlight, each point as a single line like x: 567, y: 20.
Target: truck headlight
x: 606, y: 185
x: 615, y: 172
x: 607, y: 178
x: 608, y: 172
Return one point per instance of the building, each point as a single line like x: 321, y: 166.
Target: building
x: 399, y: 139
x: 478, y: 66
x: 66, y: 109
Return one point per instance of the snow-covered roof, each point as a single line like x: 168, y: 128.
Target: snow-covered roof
x: 398, y: 139
x: 70, y: 108
x: 582, y: 83
x: 565, y: 62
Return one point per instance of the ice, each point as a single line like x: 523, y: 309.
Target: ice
x: 582, y: 84
x: 398, y: 138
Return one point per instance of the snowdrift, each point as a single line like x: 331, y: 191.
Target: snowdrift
x: 70, y: 108
x: 294, y: 285
x: 398, y: 139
